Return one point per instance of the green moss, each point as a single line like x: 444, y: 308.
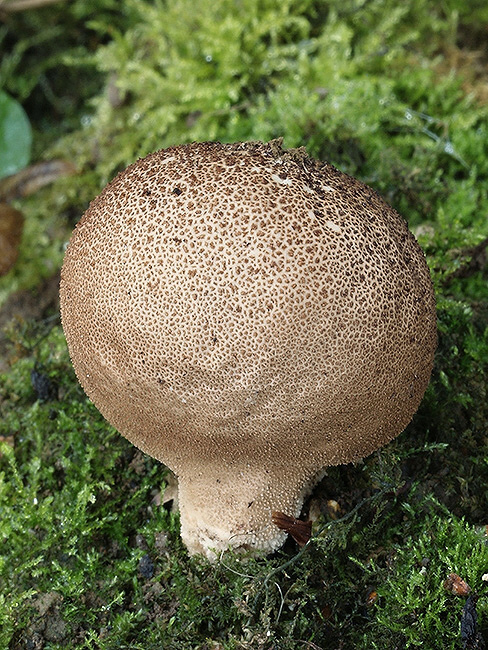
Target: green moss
x: 87, y: 559
x: 81, y: 519
x: 422, y: 610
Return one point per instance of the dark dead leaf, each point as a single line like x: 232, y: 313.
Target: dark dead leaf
x: 11, y: 224
x: 301, y: 531
x: 471, y: 637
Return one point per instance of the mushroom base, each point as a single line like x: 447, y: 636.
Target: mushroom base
x: 232, y: 509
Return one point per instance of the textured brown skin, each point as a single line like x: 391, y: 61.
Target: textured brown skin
x: 248, y: 316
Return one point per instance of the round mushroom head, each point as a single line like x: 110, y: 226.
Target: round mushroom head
x: 248, y: 316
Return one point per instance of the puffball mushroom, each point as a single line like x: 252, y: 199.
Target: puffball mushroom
x: 248, y: 316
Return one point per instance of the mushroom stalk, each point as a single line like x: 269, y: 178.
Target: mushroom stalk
x: 232, y: 507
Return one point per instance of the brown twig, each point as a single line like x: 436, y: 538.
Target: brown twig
x: 32, y: 178
x: 10, y: 6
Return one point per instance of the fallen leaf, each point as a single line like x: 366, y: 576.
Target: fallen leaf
x: 11, y: 225
x: 301, y: 531
x: 471, y: 637
x: 456, y: 585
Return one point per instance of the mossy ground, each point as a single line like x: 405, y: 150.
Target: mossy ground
x: 393, y: 94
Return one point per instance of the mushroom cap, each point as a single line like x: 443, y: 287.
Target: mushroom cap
x: 248, y: 316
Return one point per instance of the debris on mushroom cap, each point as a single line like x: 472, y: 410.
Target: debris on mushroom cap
x: 248, y: 316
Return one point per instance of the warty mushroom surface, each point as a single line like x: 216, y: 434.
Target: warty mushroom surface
x: 248, y: 316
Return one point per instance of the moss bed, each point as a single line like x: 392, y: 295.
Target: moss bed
x: 396, y: 95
